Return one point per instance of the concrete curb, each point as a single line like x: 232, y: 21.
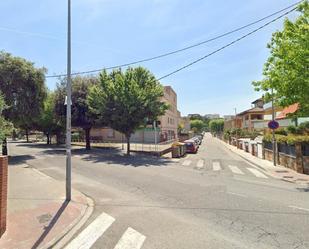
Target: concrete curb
x: 65, y: 237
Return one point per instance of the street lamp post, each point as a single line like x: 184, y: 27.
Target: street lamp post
x: 68, y: 121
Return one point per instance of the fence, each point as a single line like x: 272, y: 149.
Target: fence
x: 295, y: 157
x: 159, y: 148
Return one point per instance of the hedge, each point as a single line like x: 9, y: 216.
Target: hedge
x: 289, y: 139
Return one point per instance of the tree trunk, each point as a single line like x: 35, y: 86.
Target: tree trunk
x: 27, y: 135
x: 48, y: 138
x: 87, y: 136
x: 128, y: 144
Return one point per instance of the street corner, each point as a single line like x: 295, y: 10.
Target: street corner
x: 44, y: 225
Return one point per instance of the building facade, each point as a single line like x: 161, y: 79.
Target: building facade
x: 212, y: 116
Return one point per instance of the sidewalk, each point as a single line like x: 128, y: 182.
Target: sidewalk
x: 278, y: 172
x: 38, y: 215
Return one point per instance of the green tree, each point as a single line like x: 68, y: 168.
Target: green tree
x: 216, y: 126
x: 5, y: 126
x: 287, y: 68
x: 23, y: 88
x: 81, y: 115
x: 48, y: 121
x: 197, y: 125
x: 127, y: 99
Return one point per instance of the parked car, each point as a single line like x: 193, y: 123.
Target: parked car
x: 191, y: 146
x: 200, y: 137
x: 197, y: 140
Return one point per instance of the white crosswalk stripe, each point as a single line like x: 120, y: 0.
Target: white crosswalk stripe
x: 200, y: 164
x: 257, y: 173
x: 131, y: 239
x: 216, y: 166
x: 236, y: 170
x: 91, y: 233
x: 186, y: 163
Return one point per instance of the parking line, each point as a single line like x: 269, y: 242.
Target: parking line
x: 216, y: 166
x: 236, y: 170
x: 91, y: 233
x: 131, y: 239
x: 257, y: 173
x: 186, y: 163
x: 200, y: 164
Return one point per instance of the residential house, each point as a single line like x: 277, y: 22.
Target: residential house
x: 250, y: 116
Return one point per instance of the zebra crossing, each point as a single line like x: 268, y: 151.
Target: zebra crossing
x: 131, y: 239
x: 217, y: 167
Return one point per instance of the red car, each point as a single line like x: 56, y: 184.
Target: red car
x: 191, y: 146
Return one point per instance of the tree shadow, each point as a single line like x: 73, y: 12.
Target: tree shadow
x: 40, y: 145
x: 134, y: 160
x: 50, y: 225
x: 16, y: 160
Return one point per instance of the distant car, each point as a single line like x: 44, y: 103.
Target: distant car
x: 200, y: 137
x: 191, y: 146
x: 197, y: 140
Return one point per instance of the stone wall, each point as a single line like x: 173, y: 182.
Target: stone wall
x: 287, y: 161
x: 3, y: 192
x: 306, y: 164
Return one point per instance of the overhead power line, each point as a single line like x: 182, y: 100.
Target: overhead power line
x: 182, y: 49
x: 227, y: 45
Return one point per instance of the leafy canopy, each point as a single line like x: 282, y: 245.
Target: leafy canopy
x: 197, y: 125
x: 23, y: 88
x: 5, y: 126
x: 216, y: 125
x: 287, y: 68
x: 125, y: 100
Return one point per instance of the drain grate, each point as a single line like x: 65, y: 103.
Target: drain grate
x: 44, y: 218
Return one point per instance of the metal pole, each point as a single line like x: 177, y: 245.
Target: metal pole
x: 155, y: 132
x: 236, y: 127
x: 68, y: 128
x: 273, y: 131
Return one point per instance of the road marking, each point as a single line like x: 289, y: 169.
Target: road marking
x: 41, y: 174
x: 300, y: 208
x: 131, y: 239
x: 216, y: 166
x: 257, y: 173
x: 200, y: 164
x: 236, y: 170
x: 232, y: 193
x: 91, y: 233
x: 186, y: 163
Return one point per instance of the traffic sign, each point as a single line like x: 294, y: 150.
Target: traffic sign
x: 273, y: 125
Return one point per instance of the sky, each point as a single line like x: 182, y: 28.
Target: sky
x: 112, y: 32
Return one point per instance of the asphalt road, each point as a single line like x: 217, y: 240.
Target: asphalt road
x: 212, y: 199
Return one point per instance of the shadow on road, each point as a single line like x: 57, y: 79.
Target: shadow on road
x: 112, y: 156
x: 15, y: 160
x: 116, y: 157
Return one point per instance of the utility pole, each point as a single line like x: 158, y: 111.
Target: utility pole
x: 155, y: 132
x: 273, y: 130
x: 68, y: 121
x: 236, y: 127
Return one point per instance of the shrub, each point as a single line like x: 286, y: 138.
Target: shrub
x: 281, y: 131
